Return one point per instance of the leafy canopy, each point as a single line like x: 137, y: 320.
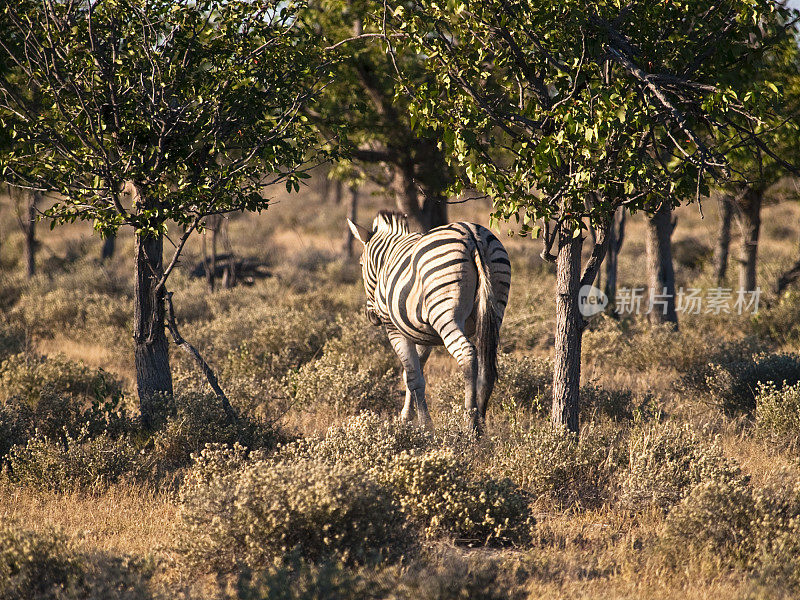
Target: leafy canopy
x: 194, y: 102
x: 359, y: 107
x: 566, y: 110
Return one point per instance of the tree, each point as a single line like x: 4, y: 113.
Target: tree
x: 616, y: 237
x: 722, y: 248
x: 660, y: 270
x: 361, y: 107
x: 109, y: 247
x: 757, y: 168
x: 564, y: 111
x: 194, y: 105
x: 27, y: 203
x: 352, y: 214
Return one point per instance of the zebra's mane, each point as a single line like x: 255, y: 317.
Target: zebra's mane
x: 390, y: 221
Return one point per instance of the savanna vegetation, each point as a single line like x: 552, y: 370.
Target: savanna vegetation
x: 683, y: 481
x: 259, y: 456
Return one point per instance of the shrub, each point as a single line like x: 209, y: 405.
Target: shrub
x: 257, y: 511
x: 264, y: 342
x: 778, y: 413
x: 66, y: 307
x: 435, y: 487
x: 557, y: 466
x: 714, y: 520
x: 38, y: 566
x: 779, y: 321
x: 454, y: 431
x: 12, y: 339
x: 344, y: 383
x: 526, y: 380
x: 641, y: 346
x: 29, y: 377
x: 357, y: 370
x: 728, y: 523
x: 437, y: 491
x: 665, y: 462
x: 527, y: 383
x: 454, y: 576
x: 15, y: 426
x: 12, y: 286
x: 696, y: 379
x: 54, y: 396
x: 355, y: 335
x: 690, y: 252
x: 197, y: 420
x: 366, y: 439
x: 732, y: 386
x: 77, y: 463
x: 302, y: 580
x: 615, y: 404
x: 48, y: 566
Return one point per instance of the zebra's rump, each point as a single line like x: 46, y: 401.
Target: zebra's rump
x: 433, y: 278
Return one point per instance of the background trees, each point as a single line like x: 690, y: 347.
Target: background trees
x: 563, y: 112
x: 757, y: 167
x: 194, y: 106
x: 361, y: 106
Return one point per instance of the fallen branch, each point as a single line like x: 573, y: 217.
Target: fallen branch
x: 207, y: 371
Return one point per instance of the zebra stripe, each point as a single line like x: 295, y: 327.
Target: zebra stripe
x: 425, y: 289
x: 414, y: 281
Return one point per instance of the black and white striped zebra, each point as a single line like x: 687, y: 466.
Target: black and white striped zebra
x: 438, y: 288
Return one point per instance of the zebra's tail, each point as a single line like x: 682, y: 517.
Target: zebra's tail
x: 487, y: 322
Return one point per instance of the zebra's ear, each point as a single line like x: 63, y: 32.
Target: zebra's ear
x: 362, y: 234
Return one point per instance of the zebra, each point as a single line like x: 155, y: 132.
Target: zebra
x: 437, y: 288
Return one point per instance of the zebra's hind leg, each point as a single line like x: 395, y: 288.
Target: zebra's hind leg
x: 407, y: 414
x: 406, y: 351
x: 458, y: 345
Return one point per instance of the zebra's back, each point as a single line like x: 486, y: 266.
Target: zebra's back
x: 428, y: 280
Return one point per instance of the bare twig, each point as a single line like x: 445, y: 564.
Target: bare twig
x: 207, y: 371
x: 365, y: 36
x: 178, y: 250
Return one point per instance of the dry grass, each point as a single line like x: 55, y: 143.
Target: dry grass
x: 125, y: 519
x: 577, y: 553
x: 93, y: 353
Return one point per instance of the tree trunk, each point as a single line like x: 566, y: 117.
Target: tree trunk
x: 229, y: 274
x: 153, y: 376
x: 405, y: 189
x: 749, y: 217
x: 434, y: 210
x: 353, y: 215
x: 109, y: 247
x: 30, y: 233
x: 661, y: 273
x: 722, y: 248
x: 325, y: 192
x: 616, y: 235
x: 433, y: 175
x: 210, y: 261
x: 337, y: 192
x: 569, y: 331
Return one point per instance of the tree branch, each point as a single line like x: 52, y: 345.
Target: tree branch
x: 365, y: 36
x: 207, y: 371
